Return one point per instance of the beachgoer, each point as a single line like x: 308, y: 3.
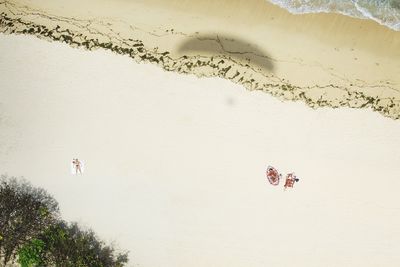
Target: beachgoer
x: 77, y: 165
x: 290, y: 180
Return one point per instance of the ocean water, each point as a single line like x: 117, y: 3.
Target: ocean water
x: 385, y: 12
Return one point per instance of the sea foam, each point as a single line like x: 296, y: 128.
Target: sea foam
x: 385, y: 12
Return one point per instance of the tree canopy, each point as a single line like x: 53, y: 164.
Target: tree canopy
x: 33, y: 234
x: 25, y: 211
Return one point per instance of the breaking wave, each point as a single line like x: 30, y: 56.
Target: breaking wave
x: 385, y: 12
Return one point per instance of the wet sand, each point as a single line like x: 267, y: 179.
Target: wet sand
x: 321, y: 60
x: 175, y: 164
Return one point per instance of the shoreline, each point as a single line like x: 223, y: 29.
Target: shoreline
x: 324, y: 68
x: 353, y: 10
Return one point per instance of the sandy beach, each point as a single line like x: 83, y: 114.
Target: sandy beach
x: 319, y: 59
x: 175, y: 163
x: 177, y: 108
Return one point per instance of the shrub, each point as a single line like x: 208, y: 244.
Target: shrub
x: 30, y: 254
x: 68, y: 245
x: 31, y: 229
x: 25, y: 211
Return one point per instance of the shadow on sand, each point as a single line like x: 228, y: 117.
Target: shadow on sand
x: 233, y: 47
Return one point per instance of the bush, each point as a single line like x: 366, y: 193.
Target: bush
x: 31, y: 229
x: 68, y: 245
x: 31, y: 253
x: 25, y: 211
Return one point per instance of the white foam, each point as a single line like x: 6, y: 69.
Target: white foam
x: 379, y: 11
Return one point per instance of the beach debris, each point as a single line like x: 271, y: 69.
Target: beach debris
x: 273, y: 175
x: 290, y: 180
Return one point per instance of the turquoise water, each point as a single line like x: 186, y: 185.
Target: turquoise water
x: 385, y: 12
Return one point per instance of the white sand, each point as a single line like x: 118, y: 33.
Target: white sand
x: 175, y: 164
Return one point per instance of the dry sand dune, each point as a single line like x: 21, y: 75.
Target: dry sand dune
x: 175, y: 164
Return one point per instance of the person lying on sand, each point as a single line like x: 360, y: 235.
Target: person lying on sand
x: 77, y: 165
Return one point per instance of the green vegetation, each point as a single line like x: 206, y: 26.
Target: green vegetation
x: 30, y: 254
x: 32, y: 233
x: 25, y: 211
